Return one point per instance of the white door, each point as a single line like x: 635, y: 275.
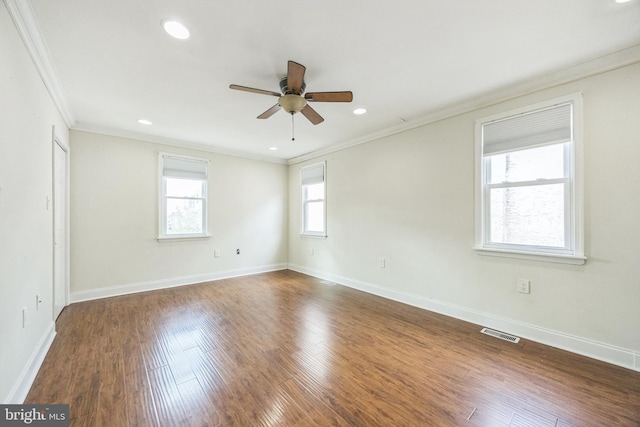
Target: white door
x: 59, y: 229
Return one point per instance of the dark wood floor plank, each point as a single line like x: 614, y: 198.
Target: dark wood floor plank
x: 204, y: 370
x: 200, y: 410
x: 167, y: 398
x: 140, y: 406
x: 52, y: 384
x: 150, y: 345
x: 112, y: 407
x: 85, y: 394
x: 287, y: 349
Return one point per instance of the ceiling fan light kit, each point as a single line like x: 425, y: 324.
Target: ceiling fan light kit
x: 293, y: 99
x: 292, y: 103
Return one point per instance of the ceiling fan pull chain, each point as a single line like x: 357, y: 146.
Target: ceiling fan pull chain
x: 293, y: 137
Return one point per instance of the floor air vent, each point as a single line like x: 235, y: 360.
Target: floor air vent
x: 501, y: 335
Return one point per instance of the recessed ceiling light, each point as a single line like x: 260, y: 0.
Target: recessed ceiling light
x: 144, y: 122
x: 273, y: 148
x: 176, y: 29
x: 359, y: 111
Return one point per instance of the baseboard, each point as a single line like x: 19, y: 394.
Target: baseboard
x: 22, y: 386
x: 133, y: 288
x: 583, y: 346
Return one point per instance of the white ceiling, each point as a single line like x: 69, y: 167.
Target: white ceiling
x: 403, y: 60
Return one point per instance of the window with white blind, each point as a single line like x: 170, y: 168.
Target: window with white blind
x: 529, y: 182
x: 183, y: 196
x: 314, y: 221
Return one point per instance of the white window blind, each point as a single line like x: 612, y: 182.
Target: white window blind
x: 313, y: 174
x: 533, y: 129
x: 181, y: 167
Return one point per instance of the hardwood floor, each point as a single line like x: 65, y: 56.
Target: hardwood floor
x: 285, y: 349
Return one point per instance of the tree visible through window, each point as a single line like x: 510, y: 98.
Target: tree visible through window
x: 184, y: 199
x: 526, y: 194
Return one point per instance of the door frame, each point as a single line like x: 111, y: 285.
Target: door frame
x: 57, y: 141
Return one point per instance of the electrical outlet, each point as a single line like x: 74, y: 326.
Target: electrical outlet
x: 381, y: 262
x: 38, y: 301
x: 216, y: 253
x: 237, y: 251
x: 524, y: 286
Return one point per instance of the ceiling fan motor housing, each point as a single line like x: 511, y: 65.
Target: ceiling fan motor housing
x: 285, y: 89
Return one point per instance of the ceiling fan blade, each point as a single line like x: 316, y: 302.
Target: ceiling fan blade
x: 295, y: 77
x: 250, y: 89
x: 312, y: 115
x: 345, y: 96
x: 270, y: 112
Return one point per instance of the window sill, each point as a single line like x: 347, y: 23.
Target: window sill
x: 533, y: 256
x: 183, y: 237
x: 314, y: 236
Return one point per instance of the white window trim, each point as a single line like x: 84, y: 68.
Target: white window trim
x: 162, y: 236
x: 303, y: 232
x: 577, y: 257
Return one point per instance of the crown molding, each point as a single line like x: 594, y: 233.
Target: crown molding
x: 599, y: 65
x: 22, y: 14
x: 154, y: 139
x: 24, y: 19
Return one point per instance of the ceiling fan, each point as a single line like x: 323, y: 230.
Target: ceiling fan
x: 293, y: 99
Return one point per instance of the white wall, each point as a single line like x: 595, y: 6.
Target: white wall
x: 114, y: 219
x: 27, y: 115
x: 410, y: 199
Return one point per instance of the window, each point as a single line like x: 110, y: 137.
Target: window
x: 529, y: 189
x: 183, y: 196
x: 313, y: 200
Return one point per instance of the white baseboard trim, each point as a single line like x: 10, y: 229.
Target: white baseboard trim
x: 583, y: 346
x: 23, y: 384
x: 152, y: 285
